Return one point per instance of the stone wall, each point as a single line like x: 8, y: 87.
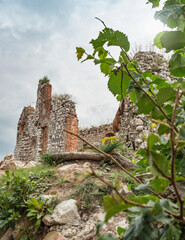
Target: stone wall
x: 94, y: 135
x: 40, y: 130
x: 134, y: 127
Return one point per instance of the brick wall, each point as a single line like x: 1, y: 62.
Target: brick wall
x: 71, y: 142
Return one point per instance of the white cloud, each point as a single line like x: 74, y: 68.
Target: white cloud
x: 39, y: 39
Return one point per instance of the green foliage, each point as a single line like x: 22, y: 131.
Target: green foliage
x: 16, y: 189
x: 44, y: 80
x: 109, y: 147
x: 88, y: 192
x: 37, y: 208
x: 47, y: 159
x: 62, y: 97
x: 112, y: 38
x: 163, y: 102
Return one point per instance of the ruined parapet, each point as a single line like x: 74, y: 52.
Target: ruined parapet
x: 63, y: 117
x: 25, y: 146
x: 94, y: 135
x: 133, y: 127
x: 41, y: 130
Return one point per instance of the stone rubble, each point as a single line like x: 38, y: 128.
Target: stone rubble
x: 65, y: 213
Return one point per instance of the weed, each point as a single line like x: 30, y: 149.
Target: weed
x: 17, y: 188
x: 88, y: 193
x: 62, y: 180
x: 44, y: 80
x: 47, y: 159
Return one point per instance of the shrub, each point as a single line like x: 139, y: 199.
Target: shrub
x: 44, y: 80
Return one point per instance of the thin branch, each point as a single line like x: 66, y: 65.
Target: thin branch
x: 152, y: 100
x: 107, y: 155
x: 126, y: 200
x: 101, y: 21
x: 161, y: 171
x: 115, y: 161
x: 174, y: 151
x: 138, y: 70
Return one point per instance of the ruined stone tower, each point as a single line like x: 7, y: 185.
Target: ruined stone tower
x: 40, y: 130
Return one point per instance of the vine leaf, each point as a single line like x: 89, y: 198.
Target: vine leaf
x: 155, y: 3
x: 145, y: 105
x: 152, y: 139
x: 160, y: 161
x: 165, y: 94
x: 171, y: 40
x: 160, y: 184
x: 170, y: 15
x: 113, y: 38
x: 173, y: 232
x: 80, y: 51
x: 108, y: 237
x: 182, y: 166
x: 177, y: 64
x: 113, y: 205
x: 114, y: 83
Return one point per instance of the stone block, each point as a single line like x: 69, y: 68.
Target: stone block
x: 54, y: 235
x: 65, y: 213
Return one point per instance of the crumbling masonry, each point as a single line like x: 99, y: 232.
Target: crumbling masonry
x: 40, y: 130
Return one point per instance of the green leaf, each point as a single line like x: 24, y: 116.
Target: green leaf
x: 99, y: 226
x: 145, y: 105
x: 24, y: 237
x: 143, y: 199
x: 182, y: 166
x: 120, y: 231
x: 165, y: 94
x: 37, y: 223
x: 152, y: 139
x: 172, y: 40
x: 167, y: 204
x: 161, y: 162
x: 170, y: 14
x: 80, y: 51
x: 157, y: 209
x: 133, y: 97
x: 113, y: 205
x: 177, y: 64
x: 114, y: 83
x: 108, y: 237
x: 107, y: 65
x: 157, y: 39
x: 182, y: 133
x: 163, y: 129
x: 124, y: 56
x: 173, y: 232
x: 155, y: 3
x: 160, y: 184
x: 102, y: 53
x: 141, y: 228
x: 157, y: 114
x: 113, y: 38
x: 160, y: 83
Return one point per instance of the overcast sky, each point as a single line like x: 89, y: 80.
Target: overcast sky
x: 38, y: 38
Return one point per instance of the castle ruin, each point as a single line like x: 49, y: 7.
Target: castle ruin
x: 41, y: 130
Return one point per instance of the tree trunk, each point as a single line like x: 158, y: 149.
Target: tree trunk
x: 92, y: 156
